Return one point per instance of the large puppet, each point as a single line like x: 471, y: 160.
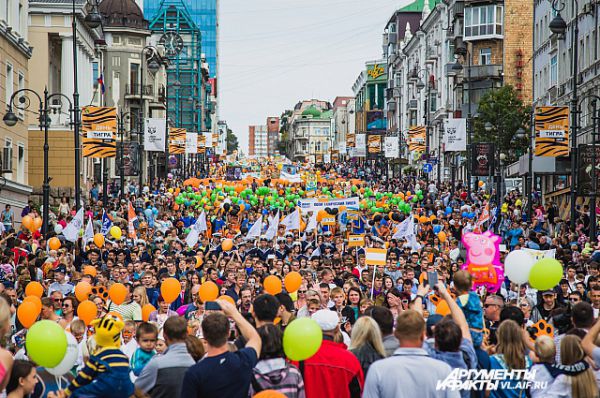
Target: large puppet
x: 483, y: 260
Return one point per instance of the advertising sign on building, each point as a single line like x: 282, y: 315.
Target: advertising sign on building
x: 482, y: 159
x: 177, y: 141
x: 587, y: 169
x: 191, y: 143
x: 455, y: 135
x: 374, y: 143
x: 416, y: 138
x: 99, y: 127
x: 155, y: 135
x: 552, y: 131
x: 208, y: 140
x: 360, y: 146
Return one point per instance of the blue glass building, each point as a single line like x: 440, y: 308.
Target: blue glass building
x: 204, y: 14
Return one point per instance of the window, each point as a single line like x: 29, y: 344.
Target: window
x: 134, y: 75
x: 9, y: 83
x: 95, y: 74
x: 21, y: 163
x: 21, y: 85
x: 483, y: 21
x: 553, y: 70
x: 485, y: 56
x: 7, y: 157
x: 19, y: 20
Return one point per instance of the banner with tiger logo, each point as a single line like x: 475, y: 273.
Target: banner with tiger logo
x: 177, y: 140
x: 552, y: 131
x: 374, y: 143
x: 416, y: 138
x: 99, y: 127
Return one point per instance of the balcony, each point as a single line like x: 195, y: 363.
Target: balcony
x: 133, y: 91
x: 432, y: 54
x: 479, y: 72
x: 412, y: 104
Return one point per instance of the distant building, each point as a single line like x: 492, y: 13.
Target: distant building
x: 342, y: 123
x: 310, y: 132
x: 257, y: 141
x: 273, y: 135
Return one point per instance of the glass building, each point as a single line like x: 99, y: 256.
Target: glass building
x: 204, y: 14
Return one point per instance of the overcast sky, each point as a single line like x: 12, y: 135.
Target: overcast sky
x: 273, y: 53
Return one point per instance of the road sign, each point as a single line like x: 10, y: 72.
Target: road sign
x: 427, y: 168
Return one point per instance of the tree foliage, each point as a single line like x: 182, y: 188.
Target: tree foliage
x: 506, y: 113
x: 232, y: 141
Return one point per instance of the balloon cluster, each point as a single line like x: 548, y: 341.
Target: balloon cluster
x: 32, y: 224
x: 543, y: 274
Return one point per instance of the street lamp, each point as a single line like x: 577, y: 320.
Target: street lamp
x: 457, y: 67
x: 417, y: 76
x: 121, y: 132
x: 11, y: 119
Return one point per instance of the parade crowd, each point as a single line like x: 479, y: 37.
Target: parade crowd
x: 217, y: 288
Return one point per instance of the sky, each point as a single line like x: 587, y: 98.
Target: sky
x: 274, y: 53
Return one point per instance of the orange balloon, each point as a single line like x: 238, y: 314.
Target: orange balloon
x: 175, y: 207
x: 272, y: 285
x: 27, y: 222
x: 37, y: 223
x: 199, y: 261
x: 34, y: 289
x: 423, y: 219
x: 147, y: 309
x: 442, y: 236
x: 170, y: 289
x: 117, y: 293
x: 54, y: 243
x: 292, y: 281
x: 209, y: 291
x: 83, y: 290
x: 442, y: 308
x: 87, y: 311
x: 227, y: 298
x: 321, y: 215
x: 27, y: 313
x: 36, y: 301
x: 90, y: 270
x: 269, y: 394
x: 227, y: 245
x: 99, y: 240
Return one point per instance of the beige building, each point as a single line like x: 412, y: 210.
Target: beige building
x: 15, y: 52
x: 51, y: 37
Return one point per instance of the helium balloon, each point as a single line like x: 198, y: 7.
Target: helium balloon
x: 269, y: 394
x: 442, y: 236
x: 36, y: 301
x: 87, y: 311
x: 90, y: 270
x: 227, y: 298
x: 147, y: 309
x: 545, y: 274
x: 302, y: 338
x: 227, y: 245
x: 54, y: 243
x: 58, y: 229
x: 117, y: 293
x: 34, y: 288
x: 442, y: 308
x: 27, y: 313
x: 115, y: 232
x: 292, y: 281
x: 69, y: 359
x: 82, y: 291
x: 99, y: 240
x: 170, y: 289
x: 27, y: 222
x: 46, y: 343
x: 272, y: 285
x: 437, y: 229
x: 517, y: 266
x: 209, y: 291
x: 37, y: 223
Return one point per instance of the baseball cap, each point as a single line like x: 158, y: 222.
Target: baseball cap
x: 547, y: 291
x: 61, y: 268
x: 326, y: 319
x: 432, y: 320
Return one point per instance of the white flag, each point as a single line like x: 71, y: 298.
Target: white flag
x: 88, y: 234
x: 312, y: 222
x: 199, y: 226
x: 255, y: 230
x: 292, y: 221
x: 273, y: 225
x: 154, y: 134
x: 316, y: 252
x: 71, y: 231
x: 405, y: 228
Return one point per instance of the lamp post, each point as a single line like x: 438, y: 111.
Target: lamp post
x: 92, y: 20
x: 10, y: 119
x: 595, y: 117
x: 153, y: 67
x: 457, y: 67
x: 121, y: 132
x: 420, y: 85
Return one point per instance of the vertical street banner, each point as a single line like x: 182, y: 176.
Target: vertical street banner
x: 215, y: 139
x: 360, y: 145
x: 455, y: 135
x: 342, y: 148
x: 391, y: 147
x: 416, y: 138
x: 552, y: 131
x: 374, y: 143
x: 201, y: 143
x: 155, y: 135
x: 587, y: 169
x: 208, y: 140
x: 350, y: 140
x: 131, y: 158
x: 99, y: 126
x: 191, y: 143
x: 176, y: 141
x: 482, y: 159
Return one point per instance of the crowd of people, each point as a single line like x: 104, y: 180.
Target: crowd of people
x: 400, y: 328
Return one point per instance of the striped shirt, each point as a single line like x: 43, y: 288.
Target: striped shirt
x: 129, y: 311
x: 113, y: 357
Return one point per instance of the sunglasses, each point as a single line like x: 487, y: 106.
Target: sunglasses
x: 57, y: 300
x: 302, y: 291
x: 489, y: 304
x: 574, y: 299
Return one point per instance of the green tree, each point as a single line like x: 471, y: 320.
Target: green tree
x: 232, y: 141
x: 284, y: 126
x: 505, y: 113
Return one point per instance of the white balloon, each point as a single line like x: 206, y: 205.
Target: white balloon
x: 69, y: 359
x: 58, y: 229
x: 517, y: 266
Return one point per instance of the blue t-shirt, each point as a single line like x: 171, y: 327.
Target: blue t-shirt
x: 225, y: 375
x: 497, y: 362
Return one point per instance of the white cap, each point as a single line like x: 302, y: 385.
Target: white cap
x: 327, y: 319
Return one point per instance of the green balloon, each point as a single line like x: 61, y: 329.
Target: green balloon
x: 187, y: 230
x: 354, y: 188
x: 302, y: 339
x: 415, y: 199
x: 545, y: 274
x: 46, y: 343
x: 378, y: 196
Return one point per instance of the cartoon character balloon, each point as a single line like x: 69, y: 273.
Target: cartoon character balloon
x: 483, y: 260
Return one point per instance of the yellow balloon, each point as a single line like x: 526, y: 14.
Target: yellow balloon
x: 116, y: 232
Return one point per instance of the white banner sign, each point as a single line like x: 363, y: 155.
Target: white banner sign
x: 342, y: 148
x: 209, y: 140
x: 455, y: 135
x: 100, y: 135
x: 316, y: 204
x: 391, y: 147
x: 360, y: 149
x: 154, y: 135
x: 191, y: 142
x: 553, y: 134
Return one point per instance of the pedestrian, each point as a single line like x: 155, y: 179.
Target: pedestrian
x: 367, y: 343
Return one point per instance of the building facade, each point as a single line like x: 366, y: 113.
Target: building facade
x: 342, y: 123
x: 258, y: 141
x: 273, y: 126
x: 309, y: 136
x: 16, y: 51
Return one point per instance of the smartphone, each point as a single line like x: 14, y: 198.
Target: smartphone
x: 432, y: 278
x: 212, y: 306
